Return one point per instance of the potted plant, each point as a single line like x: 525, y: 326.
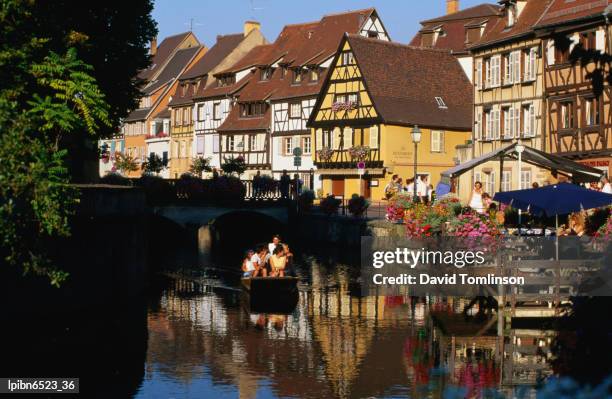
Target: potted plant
x: 325, y: 154
x: 330, y: 205
x: 359, y: 152
x: 358, y: 205
x: 343, y: 106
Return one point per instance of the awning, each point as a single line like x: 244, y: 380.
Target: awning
x: 579, y: 173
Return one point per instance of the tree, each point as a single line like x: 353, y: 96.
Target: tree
x: 125, y: 163
x: 68, y: 71
x: 200, y: 165
x: 233, y: 165
x: 154, y: 164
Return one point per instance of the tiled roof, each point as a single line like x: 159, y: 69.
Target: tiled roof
x: 223, y: 47
x: 163, y: 114
x: 234, y: 122
x: 164, y: 50
x: 186, y: 90
x: 481, y: 10
x: 561, y: 11
x: 500, y: 32
x: 404, y: 81
x: 137, y: 115
x: 214, y: 91
x: 173, y: 69
x: 257, y: 56
x: 455, y: 25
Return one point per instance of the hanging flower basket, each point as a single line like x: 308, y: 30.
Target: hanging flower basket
x: 325, y: 154
x: 359, y: 152
x: 343, y: 106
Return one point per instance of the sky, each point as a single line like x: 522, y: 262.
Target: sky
x: 210, y: 18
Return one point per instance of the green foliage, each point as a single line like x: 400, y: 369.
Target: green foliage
x: 234, y: 165
x: 200, y: 165
x: 358, y: 204
x: 125, y: 163
x: 154, y: 164
x: 115, y: 179
x: 67, y: 78
x: 330, y: 205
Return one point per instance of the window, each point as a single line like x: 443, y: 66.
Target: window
x: 177, y: 117
x: 230, y: 143
x: 165, y: 158
x: 201, y: 112
x: 588, y: 40
x: 490, y: 184
x: 492, y: 73
x: 252, y: 109
x: 562, y: 54
x: 253, y: 143
x: 511, y: 122
x: 314, y: 75
x: 200, y: 145
x: 306, y: 145
x: 478, y: 73
x: 441, y: 103
x: 525, y: 179
x: 348, y: 58
x: 217, y: 111
x: 216, y: 142
x: 372, y: 34
x: 437, y: 141
x: 506, y: 180
x: 529, y: 121
x: 512, y: 67
x: 297, y: 76
x: 288, y: 145
x: 186, y: 118
x: 567, y: 115
x: 531, y: 64
x: 591, y: 111
x: 226, y: 80
x: 295, y: 110
x: 492, y: 124
x: 266, y: 73
x: 511, y: 10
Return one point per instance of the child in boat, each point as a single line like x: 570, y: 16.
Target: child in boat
x: 278, y: 261
x: 259, y: 260
x: 250, y: 268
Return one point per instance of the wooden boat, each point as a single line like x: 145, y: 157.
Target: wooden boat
x: 271, y: 294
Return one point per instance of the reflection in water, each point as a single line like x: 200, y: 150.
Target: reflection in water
x: 204, y: 343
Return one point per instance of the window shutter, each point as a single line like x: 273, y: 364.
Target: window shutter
x: 348, y: 138
x: 442, y: 134
x: 336, y: 138
x: 550, y: 53
x: 600, y: 40
x: 319, y: 138
x: 374, y: 137
x: 200, y: 145
x: 478, y: 126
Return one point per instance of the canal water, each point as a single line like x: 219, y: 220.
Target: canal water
x: 203, y: 342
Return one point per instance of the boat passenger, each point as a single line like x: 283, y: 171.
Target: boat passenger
x: 272, y: 246
x: 278, y: 261
x: 247, y: 265
x: 259, y: 260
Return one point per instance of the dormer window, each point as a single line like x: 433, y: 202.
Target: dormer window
x: 297, y: 76
x: 314, y: 75
x: 512, y: 16
x: 266, y: 73
x: 226, y: 80
x: 441, y: 103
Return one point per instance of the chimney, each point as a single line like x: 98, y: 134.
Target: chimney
x: 452, y: 6
x: 153, y: 49
x: 250, y: 26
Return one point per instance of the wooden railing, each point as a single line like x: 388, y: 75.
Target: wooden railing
x: 341, y: 159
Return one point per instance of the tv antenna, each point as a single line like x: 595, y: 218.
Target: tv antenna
x: 253, y: 8
x: 192, y: 22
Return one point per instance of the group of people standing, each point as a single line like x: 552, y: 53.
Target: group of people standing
x: 272, y: 260
x: 424, y: 190
x: 287, y: 186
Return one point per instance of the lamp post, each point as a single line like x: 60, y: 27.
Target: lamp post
x: 416, y: 139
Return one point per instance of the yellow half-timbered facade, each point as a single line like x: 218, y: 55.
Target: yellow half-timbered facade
x: 374, y: 94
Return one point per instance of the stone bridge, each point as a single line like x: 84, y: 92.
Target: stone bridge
x: 205, y: 215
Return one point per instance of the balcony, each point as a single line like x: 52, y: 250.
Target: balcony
x: 327, y: 158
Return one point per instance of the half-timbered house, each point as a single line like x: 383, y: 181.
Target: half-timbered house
x: 162, y: 82
x: 184, y: 143
x: 578, y: 97
x: 457, y: 30
x: 268, y: 119
x: 373, y: 95
x: 508, y: 96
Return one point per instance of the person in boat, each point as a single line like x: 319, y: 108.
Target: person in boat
x: 248, y: 267
x: 259, y: 261
x: 278, y: 262
x: 275, y: 243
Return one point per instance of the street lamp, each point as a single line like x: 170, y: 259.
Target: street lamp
x: 416, y: 139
